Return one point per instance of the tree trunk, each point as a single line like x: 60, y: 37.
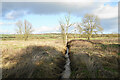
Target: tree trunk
x: 74, y: 36
x: 89, y: 38
x: 66, y: 39
x: 26, y: 37
x: 79, y: 35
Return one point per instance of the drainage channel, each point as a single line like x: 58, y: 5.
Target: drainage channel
x: 66, y: 73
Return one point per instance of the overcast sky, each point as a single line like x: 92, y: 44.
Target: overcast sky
x: 44, y: 16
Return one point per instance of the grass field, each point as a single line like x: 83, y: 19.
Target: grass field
x: 37, y: 57
x: 42, y: 56
x: 98, y: 59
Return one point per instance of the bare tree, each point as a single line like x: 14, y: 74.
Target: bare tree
x: 63, y: 34
x: 64, y: 28
x: 79, y: 28
x: 24, y: 29
x: 91, y: 25
x: 27, y: 29
x: 19, y: 30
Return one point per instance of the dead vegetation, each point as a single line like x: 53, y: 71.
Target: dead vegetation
x: 91, y: 59
x: 41, y: 60
x: 44, y: 59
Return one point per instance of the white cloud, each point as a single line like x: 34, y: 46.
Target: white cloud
x: 15, y: 14
x: 78, y: 9
x: 106, y: 0
x: 4, y: 31
x: 47, y: 0
x: 7, y: 23
x: 1, y: 23
x: 46, y: 29
x: 10, y: 15
x: 59, y: 0
x: 106, y: 12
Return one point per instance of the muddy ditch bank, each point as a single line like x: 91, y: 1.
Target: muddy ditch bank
x: 91, y: 60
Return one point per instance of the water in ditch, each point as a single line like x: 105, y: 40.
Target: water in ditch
x: 66, y: 73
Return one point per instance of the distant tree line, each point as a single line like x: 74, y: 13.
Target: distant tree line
x: 56, y: 36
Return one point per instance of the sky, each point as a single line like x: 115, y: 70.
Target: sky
x: 45, y: 16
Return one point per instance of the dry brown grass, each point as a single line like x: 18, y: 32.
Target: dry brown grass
x: 18, y: 44
x: 33, y: 59
x: 96, y: 60
x: 44, y: 59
